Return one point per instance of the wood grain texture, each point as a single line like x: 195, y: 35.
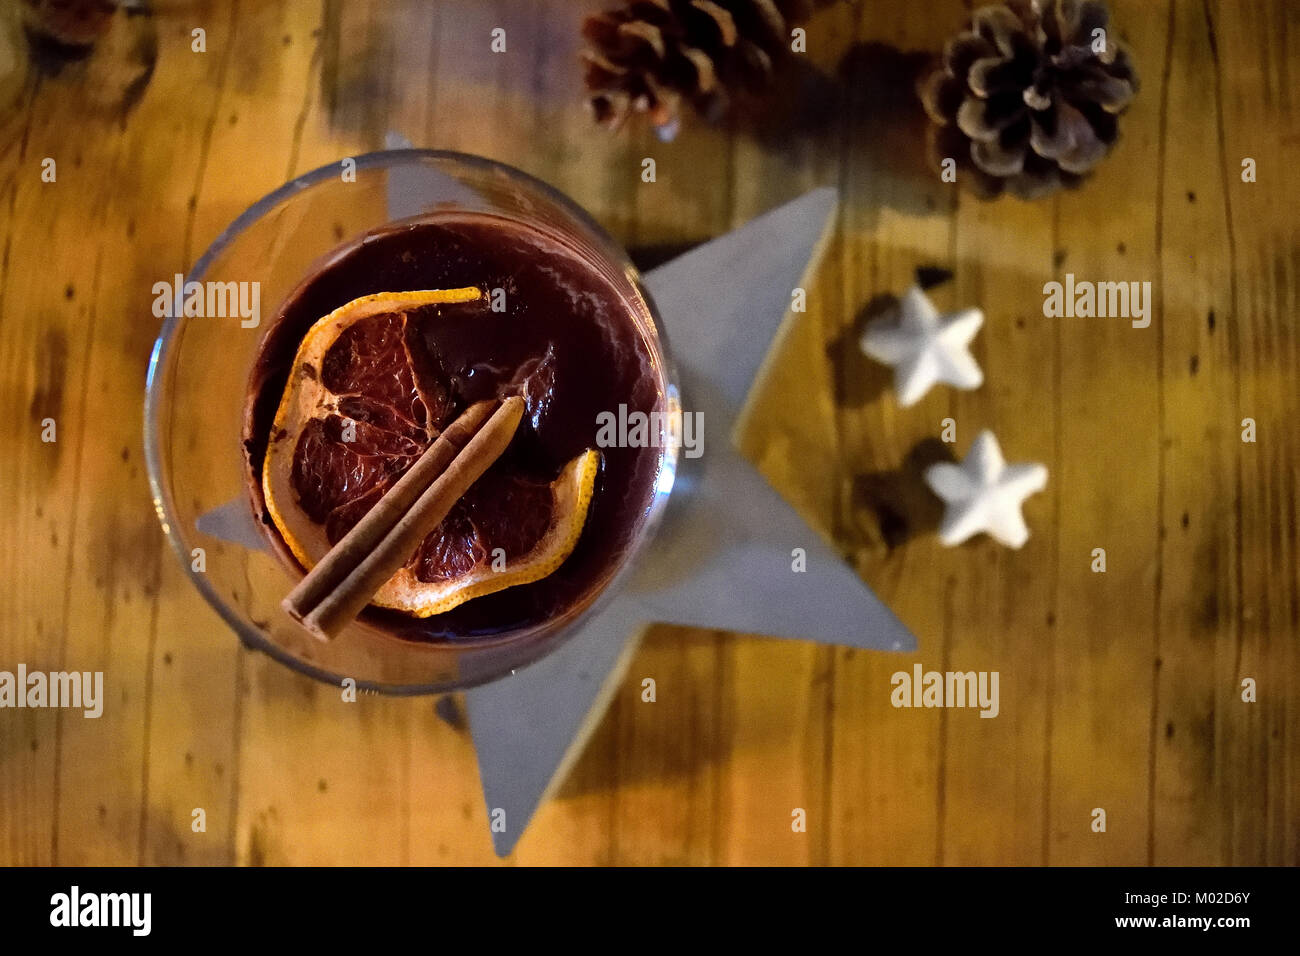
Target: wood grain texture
x: 1119, y: 690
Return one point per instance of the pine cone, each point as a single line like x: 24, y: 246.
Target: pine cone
x: 649, y: 56
x: 1023, y: 102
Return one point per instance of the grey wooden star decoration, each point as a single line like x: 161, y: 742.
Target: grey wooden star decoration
x: 723, y: 557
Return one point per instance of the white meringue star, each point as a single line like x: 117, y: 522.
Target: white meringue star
x: 924, y: 347
x: 984, y: 493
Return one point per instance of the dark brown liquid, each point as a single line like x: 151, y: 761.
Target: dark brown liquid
x: 559, y: 311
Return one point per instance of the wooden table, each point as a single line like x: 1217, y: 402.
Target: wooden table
x: 1119, y: 690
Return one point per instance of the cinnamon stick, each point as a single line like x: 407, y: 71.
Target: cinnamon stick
x: 366, y: 534
x: 342, y: 602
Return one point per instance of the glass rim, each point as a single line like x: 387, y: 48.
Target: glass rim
x: 171, y: 324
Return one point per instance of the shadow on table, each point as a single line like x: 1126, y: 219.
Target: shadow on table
x: 858, y: 380
x: 899, y: 501
x: 868, y: 111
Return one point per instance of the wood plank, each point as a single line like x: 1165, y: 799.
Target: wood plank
x: 778, y: 694
x: 105, y: 570
x: 194, y: 663
x: 886, y: 763
x: 1197, y: 595
x: 484, y: 99
x: 42, y: 478
x: 668, y: 753
x: 1108, y: 479
x: 1255, y: 54
x: 1000, y: 605
x: 448, y: 818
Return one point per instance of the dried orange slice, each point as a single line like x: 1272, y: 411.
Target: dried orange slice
x: 507, y: 530
x: 363, y: 400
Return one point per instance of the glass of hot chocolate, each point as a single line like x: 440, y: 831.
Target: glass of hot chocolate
x: 343, y: 334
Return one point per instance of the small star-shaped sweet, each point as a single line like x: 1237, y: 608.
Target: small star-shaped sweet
x: 925, y: 347
x: 984, y: 493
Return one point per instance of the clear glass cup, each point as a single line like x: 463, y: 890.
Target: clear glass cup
x: 196, y: 392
